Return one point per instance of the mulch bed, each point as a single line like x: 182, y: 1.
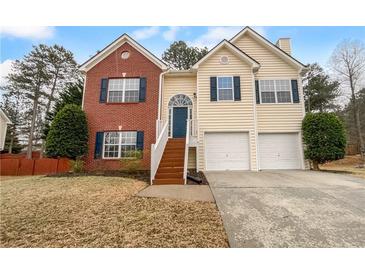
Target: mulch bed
x: 200, y: 175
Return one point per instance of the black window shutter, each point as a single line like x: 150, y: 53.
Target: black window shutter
x: 257, y: 89
x: 294, y: 89
x: 99, y: 145
x: 213, y: 88
x: 103, y: 90
x: 142, y: 89
x: 237, y: 88
x: 140, y: 137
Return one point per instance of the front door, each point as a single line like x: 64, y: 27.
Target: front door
x: 180, y: 115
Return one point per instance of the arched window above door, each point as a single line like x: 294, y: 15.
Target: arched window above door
x: 180, y: 100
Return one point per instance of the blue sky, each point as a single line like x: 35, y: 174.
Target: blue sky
x: 309, y: 44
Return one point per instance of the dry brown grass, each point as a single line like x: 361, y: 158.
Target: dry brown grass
x: 347, y: 165
x: 95, y: 211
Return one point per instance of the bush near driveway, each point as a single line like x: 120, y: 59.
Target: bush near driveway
x: 324, y: 137
x: 98, y: 211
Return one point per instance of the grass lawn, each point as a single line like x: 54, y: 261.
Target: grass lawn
x: 347, y: 165
x: 97, y: 211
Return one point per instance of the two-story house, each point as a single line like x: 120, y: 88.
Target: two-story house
x: 238, y: 108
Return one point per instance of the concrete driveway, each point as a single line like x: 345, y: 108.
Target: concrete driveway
x: 290, y: 208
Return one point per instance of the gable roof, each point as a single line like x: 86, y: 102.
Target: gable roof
x: 116, y: 44
x: 270, y: 45
x: 5, y: 117
x: 234, y: 49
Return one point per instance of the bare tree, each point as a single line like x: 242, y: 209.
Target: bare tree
x: 348, y: 63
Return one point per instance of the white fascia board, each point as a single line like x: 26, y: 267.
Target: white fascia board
x: 116, y: 44
x: 235, y: 50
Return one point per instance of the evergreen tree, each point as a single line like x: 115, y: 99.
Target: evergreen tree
x: 181, y: 57
x: 324, y: 137
x: 63, y: 70
x: 71, y: 94
x: 68, y: 134
x: 30, y: 77
x: 320, y: 93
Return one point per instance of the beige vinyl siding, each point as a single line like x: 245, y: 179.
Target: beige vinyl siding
x: 174, y: 84
x: 192, y: 158
x: 279, y: 117
x: 274, y: 117
x: 224, y: 116
x: 271, y: 64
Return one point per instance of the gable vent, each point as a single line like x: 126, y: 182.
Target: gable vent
x: 224, y: 60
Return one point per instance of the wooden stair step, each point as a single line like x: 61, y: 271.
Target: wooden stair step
x: 173, y: 181
x: 172, y: 158
x: 166, y: 175
x: 176, y: 140
x: 170, y: 169
x: 175, y: 146
x: 174, y: 149
x: 172, y: 164
x: 173, y: 155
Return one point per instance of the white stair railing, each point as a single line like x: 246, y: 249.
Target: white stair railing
x: 158, y: 148
x: 187, y: 140
x: 159, y: 126
x: 193, y: 128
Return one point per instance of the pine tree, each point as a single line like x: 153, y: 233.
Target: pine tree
x: 181, y: 57
x: 320, y: 92
x: 30, y: 77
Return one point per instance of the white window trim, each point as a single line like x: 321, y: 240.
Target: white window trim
x: 123, y: 91
x: 225, y: 76
x: 275, y: 92
x: 119, y: 146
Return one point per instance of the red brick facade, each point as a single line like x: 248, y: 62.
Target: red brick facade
x: 140, y: 116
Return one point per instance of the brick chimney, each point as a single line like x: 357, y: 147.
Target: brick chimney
x: 284, y: 44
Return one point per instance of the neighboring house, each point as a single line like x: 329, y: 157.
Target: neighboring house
x: 4, y: 121
x: 238, y: 108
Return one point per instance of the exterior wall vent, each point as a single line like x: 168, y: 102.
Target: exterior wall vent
x: 224, y: 60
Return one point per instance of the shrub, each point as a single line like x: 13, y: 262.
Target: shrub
x: 133, y: 163
x: 68, y: 135
x: 324, y: 137
x: 77, y: 166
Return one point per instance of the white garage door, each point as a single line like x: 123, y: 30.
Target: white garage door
x: 279, y: 151
x: 227, y: 151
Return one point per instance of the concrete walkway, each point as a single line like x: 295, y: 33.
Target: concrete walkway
x: 290, y: 208
x: 179, y: 192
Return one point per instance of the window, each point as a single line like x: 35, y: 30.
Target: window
x: 120, y: 144
x: 123, y: 90
x: 225, y: 88
x: 283, y: 91
x: 275, y: 91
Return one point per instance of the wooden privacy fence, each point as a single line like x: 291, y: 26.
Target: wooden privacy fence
x: 21, y: 166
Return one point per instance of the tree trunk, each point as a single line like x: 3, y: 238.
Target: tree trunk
x: 11, y: 144
x: 315, y: 165
x: 47, y: 111
x: 30, y: 139
x: 357, y: 120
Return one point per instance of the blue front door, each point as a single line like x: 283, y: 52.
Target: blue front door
x: 180, y: 115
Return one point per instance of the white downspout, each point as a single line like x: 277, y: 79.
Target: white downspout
x: 83, y: 91
x: 160, y: 96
